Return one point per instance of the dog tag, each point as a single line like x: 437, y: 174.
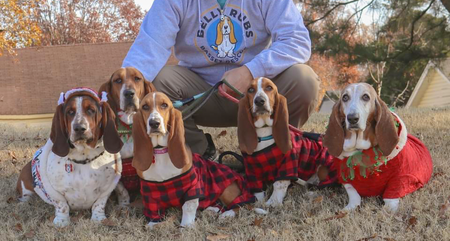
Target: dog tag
x: 69, y: 167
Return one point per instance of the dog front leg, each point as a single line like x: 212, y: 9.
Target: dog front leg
x: 353, y: 197
x: 122, y: 195
x: 260, y: 196
x: 62, y: 218
x: 279, y: 192
x: 98, y: 209
x: 189, y: 211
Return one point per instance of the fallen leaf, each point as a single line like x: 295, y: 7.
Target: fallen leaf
x: 18, y: 227
x: 16, y: 217
x: 438, y: 174
x: 12, y: 155
x: 318, y: 199
x: 368, y: 238
x: 444, y: 208
x: 77, y: 217
x: 222, y: 133
x: 412, y: 222
x: 257, y: 222
x: 217, y: 237
x: 11, y: 200
x: 137, y: 203
x: 338, y: 215
x: 389, y: 239
x: 29, y: 234
x: 51, y: 217
x: 108, y: 222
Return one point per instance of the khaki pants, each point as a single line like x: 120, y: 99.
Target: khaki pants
x: 299, y: 84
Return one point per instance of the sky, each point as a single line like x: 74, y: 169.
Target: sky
x: 145, y: 4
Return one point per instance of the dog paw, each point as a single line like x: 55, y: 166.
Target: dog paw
x: 260, y: 211
x: 227, y: 214
x: 351, y: 207
x: 213, y: 209
x: 152, y: 224
x: 61, y: 221
x: 98, y: 217
x: 391, y: 205
x: 272, y: 202
x: 187, y: 224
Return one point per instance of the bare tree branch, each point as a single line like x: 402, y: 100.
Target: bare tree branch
x: 400, y: 96
x: 330, y: 11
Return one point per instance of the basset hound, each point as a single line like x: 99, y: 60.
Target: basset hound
x: 374, y: 154
x: 171, y: 176
x: 126, y: 88
x: 225, y: 38
x: 273, y: 153
x: 77, y: 168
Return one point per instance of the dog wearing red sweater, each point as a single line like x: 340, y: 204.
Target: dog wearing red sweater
x: 374, y: 154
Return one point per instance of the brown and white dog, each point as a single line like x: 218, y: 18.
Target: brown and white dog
x: 374, y: 154
x: 161, y: 157
x: 273, y: 153
x: 77, y: 167
x: 126, y: 88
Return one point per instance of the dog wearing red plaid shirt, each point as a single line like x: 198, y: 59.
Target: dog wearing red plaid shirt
x: 273, y: 153
x: 125, y: 89
x: 171, y: 176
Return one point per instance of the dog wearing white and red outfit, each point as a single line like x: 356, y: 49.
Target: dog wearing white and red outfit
x: 78, y: 167
x: 374, y: 154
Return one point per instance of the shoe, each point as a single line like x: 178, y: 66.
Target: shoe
x: 211, y: 151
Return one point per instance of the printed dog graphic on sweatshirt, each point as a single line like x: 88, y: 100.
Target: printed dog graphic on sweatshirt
x: 225, y: 38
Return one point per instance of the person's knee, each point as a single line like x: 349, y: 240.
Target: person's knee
x: 301, y: 73
x: 164, y: 76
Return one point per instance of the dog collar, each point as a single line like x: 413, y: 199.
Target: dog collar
x: 86, y: 161
x: 265, y: 138
x: 161, y: 151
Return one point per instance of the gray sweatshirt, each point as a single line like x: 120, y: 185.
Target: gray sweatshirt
x: 267, y: 36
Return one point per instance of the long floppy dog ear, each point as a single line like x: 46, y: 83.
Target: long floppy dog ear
x: 58, y: 134
x: 143, y: 147
x: 219, y: 36
x: 178, y: 152
x: 232, y: 37
x: 334, y: 135
x: 385, y: 130
x: 148, y: 87
x: 111, y: 139
x: 106, y: 87
x: 248, y: 140
x: 280, y: 127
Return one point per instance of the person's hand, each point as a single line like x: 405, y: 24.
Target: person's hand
x: 239, y: 78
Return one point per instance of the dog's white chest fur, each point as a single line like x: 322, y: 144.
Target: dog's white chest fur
x: 127, y: 149
x: 162, y: 169
x: 85, y: 183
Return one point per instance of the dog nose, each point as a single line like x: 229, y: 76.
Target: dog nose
x: 353, y: 118
x: 225, y: 26
x: 154, y: 124
x: 79, y: 128
x: 259, y: 101
x: 129, y: 94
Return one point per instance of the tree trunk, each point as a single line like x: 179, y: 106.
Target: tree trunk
x: 446, y: 4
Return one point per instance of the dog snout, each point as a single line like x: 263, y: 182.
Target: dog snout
x: 226, y: 27
x: 79, y: 128
x: 353, y: 118
x: 260, y: 101
x: 129, y: 94
x: 154, y: 124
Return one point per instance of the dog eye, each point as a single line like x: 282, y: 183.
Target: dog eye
x: 118, y: 81
x: 345, y: 98
x: 90, y: 111
x: 366, y: 97
x: 146, y: 107
x: 164, y: 105
x: 71, y: 112
x: 269, y: 88
x: 137, y: 79
x: 251, y: 90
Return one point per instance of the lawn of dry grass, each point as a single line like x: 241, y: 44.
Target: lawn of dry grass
x: 306, y: 214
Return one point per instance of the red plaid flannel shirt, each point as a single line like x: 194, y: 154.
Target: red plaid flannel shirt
x: 206, y: 180
x: 129, y: 178
x: 270, y: 164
